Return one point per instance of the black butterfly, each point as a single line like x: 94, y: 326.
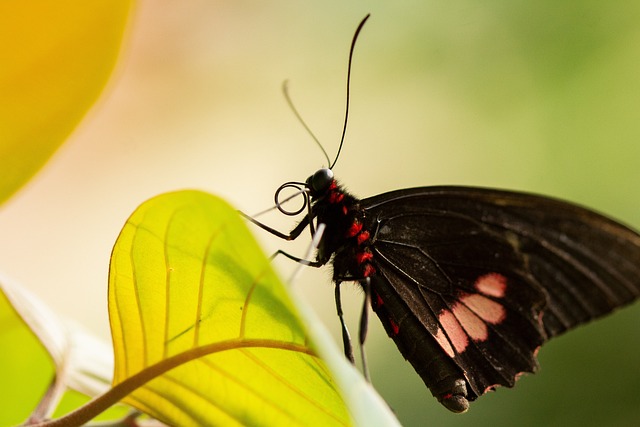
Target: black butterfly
x: 469, y: 282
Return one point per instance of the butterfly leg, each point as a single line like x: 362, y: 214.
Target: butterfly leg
x: 364, y: 326
x: 306, y: 221
x: 299, y: 260
x: 346, y: 338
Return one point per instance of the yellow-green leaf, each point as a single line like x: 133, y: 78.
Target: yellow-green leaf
x: 55, y: 59
x: 26, y: 368
x: 199, y: 316
x: 44, y: 358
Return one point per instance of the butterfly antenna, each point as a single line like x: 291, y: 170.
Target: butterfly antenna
x: 285, y: 91
x: 346, y: 114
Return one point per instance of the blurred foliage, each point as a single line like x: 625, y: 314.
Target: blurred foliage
x: 26, y: 368
x: 55, y: 61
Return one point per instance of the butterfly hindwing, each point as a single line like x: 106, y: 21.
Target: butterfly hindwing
x: 491, y: 275
x: 480, y: 305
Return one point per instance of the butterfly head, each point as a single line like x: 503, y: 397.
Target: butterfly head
x: 314, y: 187
x: 319, y: 182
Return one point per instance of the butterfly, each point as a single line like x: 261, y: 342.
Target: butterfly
x: 469, y: 282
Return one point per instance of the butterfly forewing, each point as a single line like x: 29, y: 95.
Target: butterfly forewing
x: 491, y: 275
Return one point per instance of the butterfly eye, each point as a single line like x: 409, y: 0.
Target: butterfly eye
x: 320, y: 181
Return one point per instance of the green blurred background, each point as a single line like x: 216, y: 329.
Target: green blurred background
x: 537, y: 96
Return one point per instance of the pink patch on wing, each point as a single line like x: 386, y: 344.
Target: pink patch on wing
x: 491, y: 388
x: 472, y: 324
x: 492, y: 284
x: 485, y: 308
x: 444, y: 343
x: 457, y: 336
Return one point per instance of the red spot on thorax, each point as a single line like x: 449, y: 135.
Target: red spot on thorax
x: 333, y: 185
x: 335, y: 197
x: 363, y: 257
x: 369, y: 270
x: 354, y: 229
x: 363, y: 237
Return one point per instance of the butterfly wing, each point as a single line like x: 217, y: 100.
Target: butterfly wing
x: 488, y: 276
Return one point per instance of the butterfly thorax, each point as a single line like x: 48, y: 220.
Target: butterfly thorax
x: 345, y: 238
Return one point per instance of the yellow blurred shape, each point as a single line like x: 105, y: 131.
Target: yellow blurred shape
x: 55, y: 58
